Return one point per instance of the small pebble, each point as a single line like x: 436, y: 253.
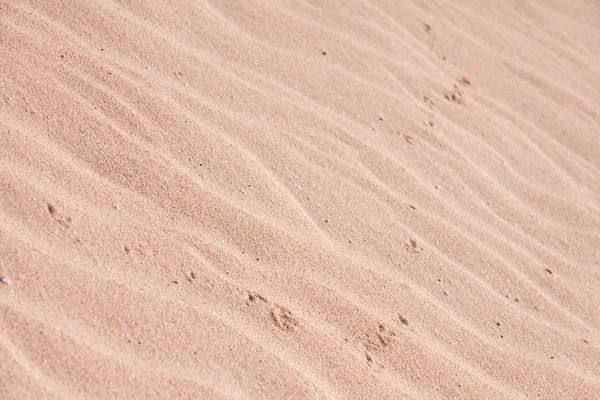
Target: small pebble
x: 4, y: 280
x: 51, y: 209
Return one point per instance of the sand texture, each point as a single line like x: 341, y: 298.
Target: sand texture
x: 299, y: 199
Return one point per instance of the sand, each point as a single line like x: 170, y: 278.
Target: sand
x: 299, y: 199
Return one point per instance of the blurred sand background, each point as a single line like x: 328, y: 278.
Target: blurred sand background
x: 300, y: 199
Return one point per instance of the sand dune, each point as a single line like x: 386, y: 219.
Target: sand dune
x: 299, y: 199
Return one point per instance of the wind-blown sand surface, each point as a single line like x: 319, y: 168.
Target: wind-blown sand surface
x: 300, y: 199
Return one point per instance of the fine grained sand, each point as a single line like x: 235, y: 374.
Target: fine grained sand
x: 299, y: 199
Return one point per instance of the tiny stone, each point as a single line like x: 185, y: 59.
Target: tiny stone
x: 5, y: 280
